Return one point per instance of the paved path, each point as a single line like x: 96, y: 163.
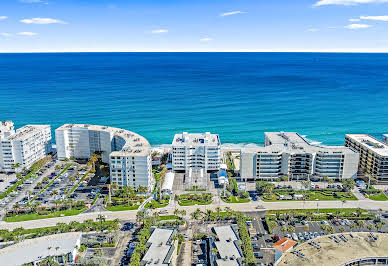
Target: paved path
x: 244, y: 207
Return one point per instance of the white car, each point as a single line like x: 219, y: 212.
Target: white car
x: 295, y: 237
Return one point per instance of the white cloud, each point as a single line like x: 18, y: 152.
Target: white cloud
x: 354, y: 19
x: 3, y: 17
x: 42, y: 21
x: 159, y: 31
x: 27, y: 33
x: 347, y: 2
x: 379, y: 18
x: 5, y: 34
x: 357, y: 26
x: 312, y: 30
x: 206, y: 39
x: 232, y: 13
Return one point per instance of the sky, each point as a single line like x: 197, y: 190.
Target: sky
x: 193, y: 25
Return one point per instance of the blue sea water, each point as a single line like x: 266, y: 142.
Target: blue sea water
x: 237, y: 95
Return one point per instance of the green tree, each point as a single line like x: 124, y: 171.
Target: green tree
x: 348, y: 184
x: 264, y: 187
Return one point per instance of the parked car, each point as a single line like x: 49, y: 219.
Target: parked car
x: 294, y: 237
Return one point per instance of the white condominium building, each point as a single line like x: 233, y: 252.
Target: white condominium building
x: 128, y: 154
x: 373, y: 155
x: 289, y: 154
x: 196, y: 151
x: 6, y: 129
x: 23, y: 147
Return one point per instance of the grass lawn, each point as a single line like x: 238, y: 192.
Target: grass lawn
x: 345, y: 210
x: 310, y: 196
x: 156, y: 204
x: 122, y: 208
x: 168, y: 217
x: 190, y: 203
x: 380, y: 197
x: 195, y: 199
x: 35, y: 216
x: 233, y: 199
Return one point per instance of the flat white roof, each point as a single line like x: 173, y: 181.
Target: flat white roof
x: 292, y: 142
x: 196, y: 139
x: 160, y: 246
x: 226, y: 245
x: 27, y: 131
x: 370, y: 143
x: 35, y: 249
x: 168, y: 181
x: 135, y: 145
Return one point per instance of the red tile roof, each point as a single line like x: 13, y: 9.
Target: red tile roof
x: 284, y: 244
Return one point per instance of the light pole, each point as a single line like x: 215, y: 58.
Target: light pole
x: 317, y: 205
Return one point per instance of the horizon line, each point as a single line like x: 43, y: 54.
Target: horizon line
x: 209, y: 51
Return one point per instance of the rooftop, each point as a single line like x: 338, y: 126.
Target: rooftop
x: 293, y: 142
x: 35, y: 249
x: 284, y: 244
x: 135, y: 145
x: 27, y: 131
x: 160, y: 245
x: 226, y: 245
x: 370, y: 143
x: 196, y: 139
x: 332, y: 253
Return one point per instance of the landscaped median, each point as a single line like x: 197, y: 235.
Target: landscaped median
x: 43, y: 214
x: 78, y: 183
x: 86, y: 226
x: 375, y: 194
x: 33, y: 169
x: 154, y: 204
x: 234, y: 199
x: 309, y: 195
x: 195, y: 199
x: 50, y: 183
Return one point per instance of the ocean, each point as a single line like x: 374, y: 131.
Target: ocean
x: 237, y: 95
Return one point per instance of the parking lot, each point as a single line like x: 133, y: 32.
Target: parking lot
x: 303, y: 232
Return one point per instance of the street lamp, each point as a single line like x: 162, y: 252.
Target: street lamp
x: 317, y: 205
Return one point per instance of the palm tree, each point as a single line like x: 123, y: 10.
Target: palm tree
x: 342, y: 229
x: 291, y: 228
x: 16, y: 166
x: 353, y: 226
x: 370, y: 227
x: 16, y: 208
x: 218, y: 210
x: 361, y: 223
x: 284, y: 228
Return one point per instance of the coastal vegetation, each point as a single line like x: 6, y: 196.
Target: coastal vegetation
x: 86, y: 226
x: 195, y: 199
x: 123, y: 199
x: 36, y: 211
x: 30, y: 173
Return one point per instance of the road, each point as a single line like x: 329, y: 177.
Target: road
x: 243, y: 207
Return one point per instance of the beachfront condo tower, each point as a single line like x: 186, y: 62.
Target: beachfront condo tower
x: 289, y: 154
x: 196, y: 154
x: 128, y: 153
x: 373, y: 155
x: 21, y: 149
